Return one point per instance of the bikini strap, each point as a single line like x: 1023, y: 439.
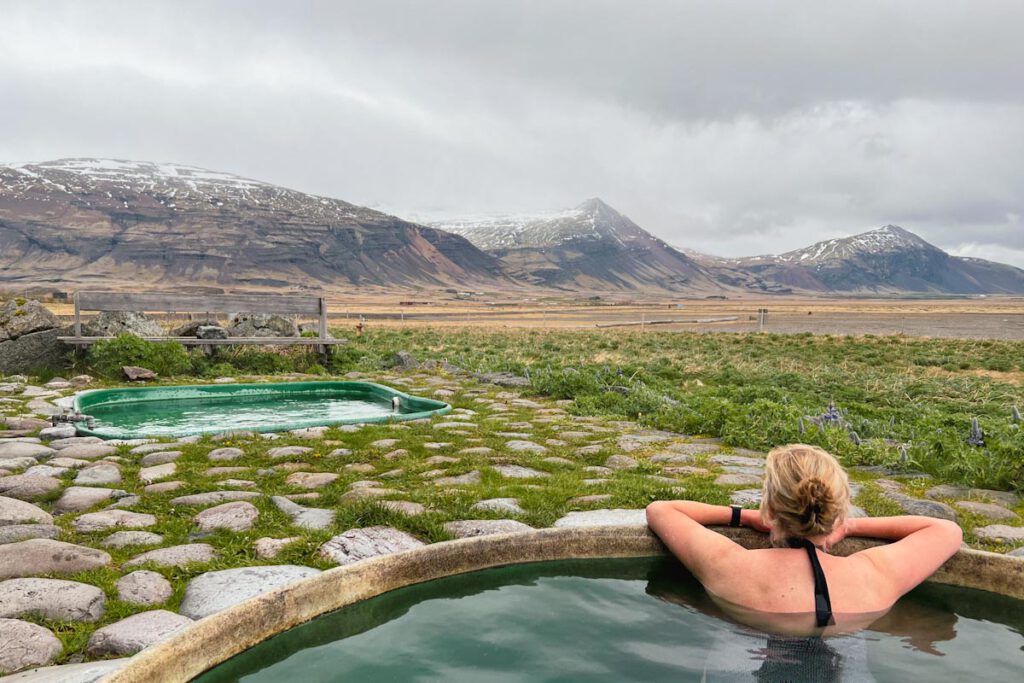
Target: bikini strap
x: 822, y: 602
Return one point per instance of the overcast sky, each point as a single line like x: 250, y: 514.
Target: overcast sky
x: 730, y: 127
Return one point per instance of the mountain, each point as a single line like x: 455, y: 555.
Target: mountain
x: 887, y: 260
x: 591, y: 247
x: 105, y: 222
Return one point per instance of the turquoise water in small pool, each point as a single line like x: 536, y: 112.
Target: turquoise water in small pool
x: 624, y: 620
x: 171, y: 417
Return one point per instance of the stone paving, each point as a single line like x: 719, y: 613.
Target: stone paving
x: 121, y: 544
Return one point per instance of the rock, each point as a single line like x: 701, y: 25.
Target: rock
x: 737, y: 461
x: 78, y: 498
x: 134, y: 373
x: 359, y: 468
x: 268, y: 548
x: 405, y: 507
x: 45, y: 556
x: 501, y: 379
x: 25, y: 424
x: 467, y: 479
x: 20, y: 449
x: 87, y: 451
x: 211, y: 332
x: 165, y: 486
x: 28, y: 486
x: 175, y: 556
x: 135, y: 633
x: 477, y: 450
x: 1004, y: 498
x: 52, y: 599
x: 58, y: 433
x: 225, y: 454
x: 191, y: 328
x: 1001, y: 533
x: 26, y: 645
x: 40, y: 407
x: 311, y: 480
x: 518, y: 472
x: 144, y: 587
x: 468, y: 528
x: 145, y: 448
x: 395, y: 454
x: 987, y: 510
x: 587, y: 500
x: 621, y: 462
x: 340, y: 453
x: 19, y: 317
x: 121, y: 539
x: 747, y: 497
x: 737, y: 479
x: 634, y: 442
x: 288, y: 451
x: 915, y: 506
x: 106, y: 473
x: 525, y: 446
x: 304, y: 517
x: 237, y: 516
x: 109, y: 519
x: 367, y: 493
x: 148, y: 475
x: 403, y: 360
x: 213, y: 592
x: 614, y: 517
x: 23, y: 532
x: 1019, y: 552
x: 159, y: 458
x: 262, y: 325
x: 13, y: 511
x: 360, y: 544
x: 383, y: 444
x: 214, y: 497
x: 507, y: 505
x: 113, y: 323
x: 124, y: 503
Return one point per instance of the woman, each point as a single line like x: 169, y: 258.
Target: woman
x: 797, y: 587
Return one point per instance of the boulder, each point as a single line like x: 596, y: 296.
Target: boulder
x: 28, y: 486
x: 144, y: 587
x: 212, y: 332
x: 135, y: 633
x: 133, y: 373
x: 237, y: 516
x: 51, y: 598
x: 26, y: 645
x: 78, y: 498
x: 88, y: 451
x: 23, y: 532
x: 212, y: 592
x: 100, y: 474
x: 14, y: 511
x: 262, y: 325
x: 191, y: 328
x: 21, y: 449
x: 113, y: 323
x: 360, y: 544
x: 19, y: 317
x: 175, y: 556
x: 303, y: 517
x: 45, y: 556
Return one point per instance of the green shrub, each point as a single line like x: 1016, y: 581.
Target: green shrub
x: 107, y: 357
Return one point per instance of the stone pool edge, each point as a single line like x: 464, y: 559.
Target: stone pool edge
x: 221, y: 636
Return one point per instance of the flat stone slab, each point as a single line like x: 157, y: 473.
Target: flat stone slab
x: 105, y: 473
x: 88, y: 451
x: 78, y: 498
x: 225, y: 454
x: 46, y: 556
x: 212, y: 592
x: 87, y: 672
x: 267, y: 548
x: 405, y: 507
x: 467, y: 479
x: 361, y: 544
x: 13, y: 533
x: 989, y: 510
x: 737, y: 479
x: 469, y: 528
x: 593, y: 498
x: 613, y: 517
x: 149, y: 475
x: 144, y: 587
x: 121, y: 539
x: 214, y: 497
x: 635, y: 442
x: 236, y: 516
x: 737, y: 461
x: 621, y: 462
x: 28, y: 486
x: 746, y: 497
x: 109, y: 519
x: 304, y: 517
x: 506, y: 505
x: 51, y: 598
x: 523, y: 446
x: 13, y: 511
x: 1001, y: 533
x: 288, y: 451
x: 135, y: 633
x: 175, y: 556
x: 20, y: 449
x: 518, y: 472
x: 1005, y: 498
x: 26, y: 645
x: 915, y: 506
x: 311, y: 480
x: 159, y: 458
x: 67, y: 442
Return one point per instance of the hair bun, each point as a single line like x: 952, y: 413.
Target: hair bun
x: 815, y: 500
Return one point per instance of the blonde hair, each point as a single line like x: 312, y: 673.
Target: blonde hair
x: 806, y: 492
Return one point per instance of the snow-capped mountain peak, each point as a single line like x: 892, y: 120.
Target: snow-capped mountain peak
x: 888, y: 238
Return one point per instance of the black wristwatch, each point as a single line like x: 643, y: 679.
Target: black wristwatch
x: 736, y: 509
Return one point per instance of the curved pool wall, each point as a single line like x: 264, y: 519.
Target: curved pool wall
x: 152, y: 400
x: 221, y: 636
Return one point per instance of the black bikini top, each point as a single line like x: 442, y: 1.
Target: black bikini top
x: 822, y: 602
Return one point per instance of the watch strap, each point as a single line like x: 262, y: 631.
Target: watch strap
x: 736, y: 510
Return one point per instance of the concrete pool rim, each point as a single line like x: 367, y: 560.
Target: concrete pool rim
x: 215, y: 639
x: 423, y: 408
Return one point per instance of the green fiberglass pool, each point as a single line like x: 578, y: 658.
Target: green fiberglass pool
x: 624, y: 620
x: 177, y: 411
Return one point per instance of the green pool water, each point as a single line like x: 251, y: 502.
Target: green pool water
x: 176, y: 411
x: 624, y: 620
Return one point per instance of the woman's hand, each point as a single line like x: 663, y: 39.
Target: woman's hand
x: 838, y: 534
